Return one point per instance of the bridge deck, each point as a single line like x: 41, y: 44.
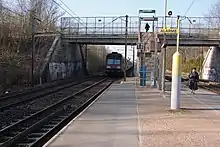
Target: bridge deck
x: 111, y: 30
x: 119, y: 39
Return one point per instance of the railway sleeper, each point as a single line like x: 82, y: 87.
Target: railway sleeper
x: 4, y: 138
x: 45, y: 129
x: 49, y: 126
x: 41, y: 131
x: 29, y: 140
x: 22, y: 145
x: 57, y: 119
x: 25, y: 143
x: 36, y: 135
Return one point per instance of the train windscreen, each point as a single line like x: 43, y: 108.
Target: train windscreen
x: 110, y: 61
x: 113, y: 61
x: 113, y: 64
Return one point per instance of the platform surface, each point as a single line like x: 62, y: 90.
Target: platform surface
x: 109, y: 122
x: 197, y: 125
x: 126, y: 116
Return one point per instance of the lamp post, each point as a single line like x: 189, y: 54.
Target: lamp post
x: 164, y: 49
x: 155, y: 60
x: 126, y: 45
x: 133, y: 62
x: 176, y: 72
x: 33, y: 30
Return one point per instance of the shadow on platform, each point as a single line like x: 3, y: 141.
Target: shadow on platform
x: 199, y: 109
x: 206, y: 94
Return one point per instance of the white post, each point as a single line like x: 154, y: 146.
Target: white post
x: 176, y: 73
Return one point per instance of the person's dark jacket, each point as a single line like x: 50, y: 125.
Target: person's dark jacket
x: 193, y: 79
x: 194, y: 76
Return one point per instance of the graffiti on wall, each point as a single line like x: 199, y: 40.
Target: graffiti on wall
x: 210, y: 74
x: 64, y: 70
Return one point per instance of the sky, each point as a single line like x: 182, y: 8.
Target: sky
x: 93, y: 8
x: 130, y: 7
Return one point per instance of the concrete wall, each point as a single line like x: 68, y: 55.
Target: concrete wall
x: 211, y: 66
x: 66, y: 61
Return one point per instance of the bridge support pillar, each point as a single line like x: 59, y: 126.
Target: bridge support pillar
x: 83, y: 59
x: 86, y: 56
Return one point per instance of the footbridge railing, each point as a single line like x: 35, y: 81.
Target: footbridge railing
x: 194, y: 27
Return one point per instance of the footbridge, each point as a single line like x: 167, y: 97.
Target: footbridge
x: 75, y: 33
x: 195, y: 31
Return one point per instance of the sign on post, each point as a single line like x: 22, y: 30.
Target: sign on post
x: 147, y: 11
x: 140, y: 46
x: 168, y: 30
x: 149, y: 18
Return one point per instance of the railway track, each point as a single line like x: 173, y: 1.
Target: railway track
x: 35, y: 128
x: 14, y: 111
x: 43, y: 87
x: 14, y: 99
x: 204, y: 84
x: 35, y: 89
x: 211, y: 87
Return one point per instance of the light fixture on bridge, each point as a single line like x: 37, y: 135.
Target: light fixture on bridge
x: 170, y: 13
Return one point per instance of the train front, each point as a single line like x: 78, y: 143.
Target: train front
x: 114, y: 65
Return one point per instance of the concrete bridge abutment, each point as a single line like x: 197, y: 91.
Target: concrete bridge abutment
x: 64, y: 60
x: 211, y: 65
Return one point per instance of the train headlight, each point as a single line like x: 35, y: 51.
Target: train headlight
x: 118, y: 67
x: 108, y: 67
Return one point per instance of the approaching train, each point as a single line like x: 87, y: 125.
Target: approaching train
x: 114, y: 64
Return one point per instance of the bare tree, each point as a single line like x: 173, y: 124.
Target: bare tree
x: 213, y: 15
x: 15, y: 38
x: 96, y: 54
x: 45, y: 11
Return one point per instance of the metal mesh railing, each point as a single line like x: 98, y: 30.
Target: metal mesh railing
x: 98, y: 25
x: 200, y: 27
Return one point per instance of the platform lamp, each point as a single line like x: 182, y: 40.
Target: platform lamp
x: 126, y: 45
x: 176, y: 71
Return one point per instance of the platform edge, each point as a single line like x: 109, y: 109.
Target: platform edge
x: 64, y: 128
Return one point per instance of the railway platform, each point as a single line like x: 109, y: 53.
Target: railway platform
x: 137, y: 117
